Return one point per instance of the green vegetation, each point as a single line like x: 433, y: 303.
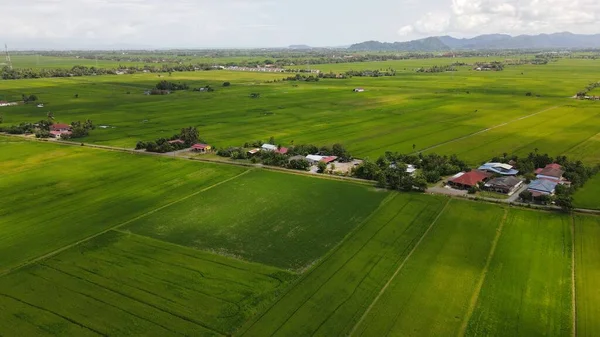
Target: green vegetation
x: 274, y: 218
x: 587, y: 265
x: 118, y: 284
x: 440, y: 277
x: 527, y: 290
x: 472, y: 114
x: 57, y: 195
x: 330, y: 297
x: 588, y: 196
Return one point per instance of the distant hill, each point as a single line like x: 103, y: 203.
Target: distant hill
x: 564, y: 40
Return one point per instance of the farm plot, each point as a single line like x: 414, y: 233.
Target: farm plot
x: 120, y: 284
x: 589, y: 195
x: 279, y: 219
x: 527, y: 290
x: 587, y: 265
x: 430, y: 295
x: 331, y: 297
x: 55, y: 195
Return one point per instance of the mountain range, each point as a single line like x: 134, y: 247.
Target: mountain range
x: 563, y: 40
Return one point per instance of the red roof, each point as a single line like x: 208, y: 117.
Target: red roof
x: 179, y: 141
x: 470, y: 178
x: 60, y: 126
x: 282, y: 150
x: 200, y: 146
x: 329, y: 159
x: 553, y: 166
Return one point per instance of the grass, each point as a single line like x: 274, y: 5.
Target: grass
x: 56, y: 195
x: 440, y: 110
x: 588, y: 196
x: 118, y: 284
x: 494, y: 195
x: 440, y: 277
x: 274, y: 218
x: 332, y: 296
x: 527, y: 290
x: 587, y: 263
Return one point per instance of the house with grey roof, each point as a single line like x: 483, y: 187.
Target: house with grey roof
x: 499, y: 168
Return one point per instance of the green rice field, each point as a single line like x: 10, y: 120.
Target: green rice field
x: 97, y: 242
x: 474, y: 114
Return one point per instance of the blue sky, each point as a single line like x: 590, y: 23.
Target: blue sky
x: 60, y: 24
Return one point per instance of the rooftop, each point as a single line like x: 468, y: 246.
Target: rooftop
x: 543, y: 186
x: 470, y: 178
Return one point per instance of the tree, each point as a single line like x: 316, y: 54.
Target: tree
x: 254, y: 95
x: 414, y: 146
x: 322, y: 167
x: 565, y: 202
x: 189, y: 135
x: 226, y: 84
x: 271, y: 140
x: 50, y: 115
x: 77, y: 95
x: 1, y: 119
x: 526, y: 196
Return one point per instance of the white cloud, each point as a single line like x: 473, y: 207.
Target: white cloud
x: 473, y: 17
x: 406, y: 30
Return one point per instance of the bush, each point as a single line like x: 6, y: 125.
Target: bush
x: 226, y: 84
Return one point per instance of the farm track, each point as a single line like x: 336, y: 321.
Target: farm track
x: 370, y: 307
x: 57, y: 251
x: 477, y: 291
x: 486, y: 130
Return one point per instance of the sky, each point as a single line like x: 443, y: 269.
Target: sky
x: 143, y: 24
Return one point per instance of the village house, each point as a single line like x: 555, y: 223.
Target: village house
x: 202, y: 148
x: 507, y: 185
x: 542, y: 187
x: 552, y: 172
x: 269, y: 147
x: 359, y: 90
x: 282, y: 150
x: 410, y: 169
x: 5, y: 103
x: 313, y: 158
x: 499, y: 168
x: 253, y: 151
x: 466, y: 180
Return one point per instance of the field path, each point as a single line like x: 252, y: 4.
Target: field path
x: 485, y: 130
x: 52, y: 253
x: 573, y: 285
x: 477, y: 291
x: 364, y: 315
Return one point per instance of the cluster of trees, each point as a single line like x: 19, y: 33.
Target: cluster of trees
x: 370, y: 73
x: 303, y: 78
x: 389, y: 170
x: 79, y: 129
x: 437, y: 69
x: 171, y: 86
x: 22, y: 128
x: 28, y: 98
x: 588, y: 88
x: 189, y: 136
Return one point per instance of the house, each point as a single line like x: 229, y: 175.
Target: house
x: 328, y: 159
x: 499, y: 168
x: 59, y: 134
x: 507, y: 185
x: 359, y: 90
x: 282, y: 150
x: 176, y: 141
x: 542, y: 187
x: 551, y: 171
x: 202, y: 148
x: 254, y: 151
x: 40, y: 105
x: 60, y: 127
x: 269, y: 147
x: 5, y: 103
x: 466, y: 180
x: 313, y: 158
x: 410, y: 169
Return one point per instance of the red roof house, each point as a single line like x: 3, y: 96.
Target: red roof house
x: 469, y: 179
x: 551, y: 171
x: 201, y: 147
x: 282, y: 150
x: 60, y: 127
x: 328, y: 159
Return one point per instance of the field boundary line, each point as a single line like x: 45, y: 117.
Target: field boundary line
x: 485, y: 130
x: 364, y: 315
x: 303, y: 275
x: 479, y: 286
x: 62, y: 249
x: 573, y: 278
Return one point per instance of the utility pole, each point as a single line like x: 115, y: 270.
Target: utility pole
x: 7, y: 57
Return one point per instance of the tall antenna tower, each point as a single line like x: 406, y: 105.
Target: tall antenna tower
x: 7, y: 57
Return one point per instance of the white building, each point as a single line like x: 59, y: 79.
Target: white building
x: 269, y: 147
x: 313, y: 158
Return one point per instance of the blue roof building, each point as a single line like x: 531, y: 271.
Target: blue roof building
x: 499, y: 168
x: 542, y: 186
